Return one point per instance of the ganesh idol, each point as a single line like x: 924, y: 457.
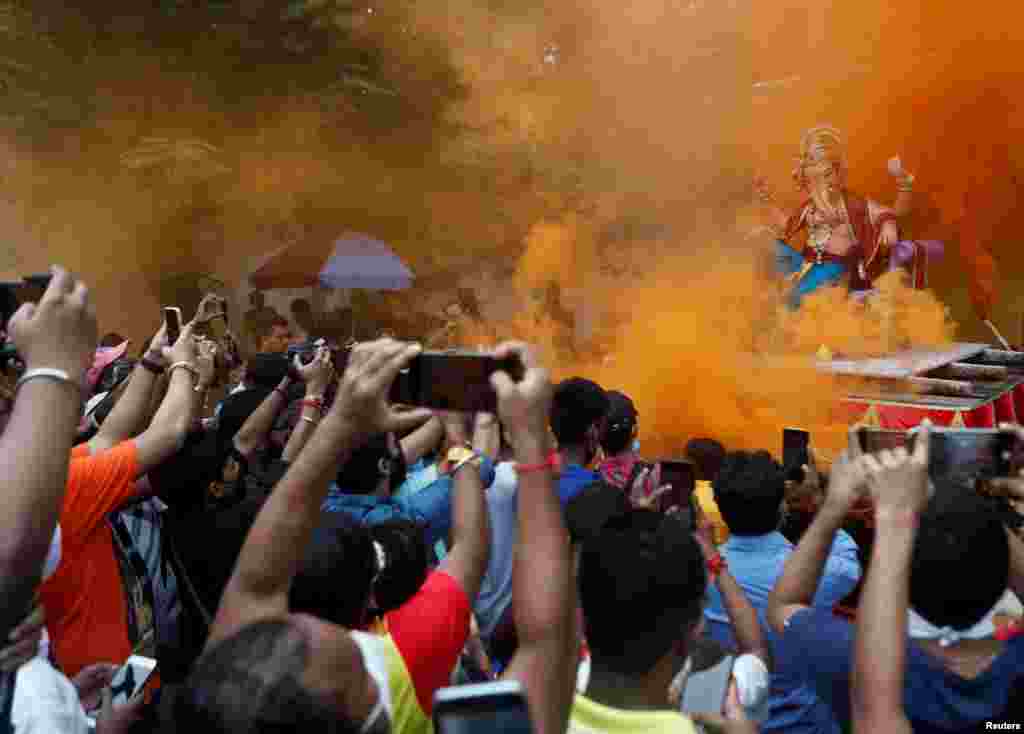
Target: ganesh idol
x: 837, y: 237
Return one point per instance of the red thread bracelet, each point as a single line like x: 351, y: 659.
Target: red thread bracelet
x: 552, y: 462
x: 716, y: 564
x: 317, y: 403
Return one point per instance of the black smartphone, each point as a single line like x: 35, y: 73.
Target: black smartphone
x: 482, y: 709
x: 35, y: 286
x: 682, y: 476
x: 453, y: 380
x: 29, y: 289
x: 975, y: 453
x: 172, y: 317
x: 447, y: 380
x: 795, y: 452
x: 873, y: 440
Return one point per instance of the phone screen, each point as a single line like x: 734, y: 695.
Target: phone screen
x: 705, y: 691
x: 795, y: 453
x: 514, y: 720
x: 172, y: 317
x: 452, y: 381
x: 975, y: 454
x: 683, y: 478
x: 482, y: 709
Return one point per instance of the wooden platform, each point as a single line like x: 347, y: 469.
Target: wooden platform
x: 902, y: 365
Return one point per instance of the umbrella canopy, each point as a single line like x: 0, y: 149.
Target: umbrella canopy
x: 353, y: 261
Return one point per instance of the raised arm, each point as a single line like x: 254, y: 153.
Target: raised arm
x: 899, y: 485
x: 802, y: 573
x: 471, y: 532
x: 422, y: 441
x: 487, y: 436
x: 745, y: 624
x: 59, y: 333
x: 545, y: 662
x: 276, y: 545
x: 317, y: 374
x: 904, y: 188
x: 778, y: 218
x: 167, y: 431
x: 131, y: 413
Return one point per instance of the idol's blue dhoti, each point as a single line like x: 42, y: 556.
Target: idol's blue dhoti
x: 789, y: 262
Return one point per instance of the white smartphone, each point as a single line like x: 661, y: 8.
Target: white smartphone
x: 482, y: 708
x: 705, y: 691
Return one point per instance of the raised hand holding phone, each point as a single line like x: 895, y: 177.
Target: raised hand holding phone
x: 172, y: 323
x: 59, y: 332
x: 898, y: 480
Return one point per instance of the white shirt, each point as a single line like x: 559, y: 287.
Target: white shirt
x: 46, y: 702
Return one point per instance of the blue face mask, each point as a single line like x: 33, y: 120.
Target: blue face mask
x: 636, y: 446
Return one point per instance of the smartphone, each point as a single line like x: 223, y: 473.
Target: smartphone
x: 705, y: 691
x: 137, y: 674
x: 29, y: 289
x: 977, y: 454
x: 172, y: 317
x: 873, y: 440
x: 482, y: 708
x: 683, y: 478
x: 795, y: 452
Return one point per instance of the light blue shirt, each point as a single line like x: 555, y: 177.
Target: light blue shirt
x: 756, y: 562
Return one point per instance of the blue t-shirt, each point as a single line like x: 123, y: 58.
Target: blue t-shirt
x: 756, y: 562
x: 573, y: 480
x: 934, y: 699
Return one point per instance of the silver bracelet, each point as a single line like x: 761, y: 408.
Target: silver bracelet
x: 46, y: 373
x: 185, y: 366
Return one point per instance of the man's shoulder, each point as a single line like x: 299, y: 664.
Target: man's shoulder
x: 590, y: 717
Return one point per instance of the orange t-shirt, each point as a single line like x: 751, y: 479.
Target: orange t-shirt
x: 81, y: 451
x: 86, y: 609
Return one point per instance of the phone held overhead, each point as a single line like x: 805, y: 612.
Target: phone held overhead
x: 482, y: 708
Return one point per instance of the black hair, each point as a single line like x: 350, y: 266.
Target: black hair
x: 577, y: 405
x: 643, y: 567
x: 592, y: 508
x: 407, y: 556
x: 340, y: 549
x: 616, y: 439
x: 250, y: 683
x: 707, y: 454
x: 748, y: 491
x: 266, y: 370
x: 621, y: 423
x: 362, y: 473
x: 112, y: 339
x: 961, y: 539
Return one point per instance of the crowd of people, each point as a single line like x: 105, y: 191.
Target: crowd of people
x: 304, y: 556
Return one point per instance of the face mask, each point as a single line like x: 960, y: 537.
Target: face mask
x: 375, y: 662
x: 636, y: 446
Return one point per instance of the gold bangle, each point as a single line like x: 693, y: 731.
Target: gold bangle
x: 310, y: 420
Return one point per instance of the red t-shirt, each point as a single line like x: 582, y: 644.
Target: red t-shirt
x: 86, y: 610
x: 430, y: 631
